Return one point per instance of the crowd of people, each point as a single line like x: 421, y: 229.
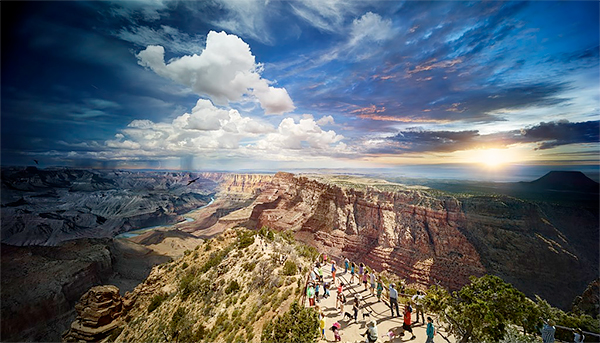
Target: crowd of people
x: 373, y: 287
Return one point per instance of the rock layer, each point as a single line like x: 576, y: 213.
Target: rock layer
x: 98, y: 313
x: 409, y: 232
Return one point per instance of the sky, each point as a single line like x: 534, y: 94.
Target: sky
x: 277, y: 85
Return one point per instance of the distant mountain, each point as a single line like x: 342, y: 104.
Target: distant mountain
x: 573, y: 181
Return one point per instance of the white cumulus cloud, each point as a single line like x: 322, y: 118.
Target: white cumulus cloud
x: 214, y: 132
x: 370, y: 27
x: 225, y: 71
x: 296, y: 136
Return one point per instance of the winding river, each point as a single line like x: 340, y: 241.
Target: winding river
x: 137, y: 232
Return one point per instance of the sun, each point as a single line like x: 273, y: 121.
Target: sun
x: 492, y: 158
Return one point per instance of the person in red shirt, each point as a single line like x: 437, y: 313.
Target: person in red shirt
x: 408, y: 321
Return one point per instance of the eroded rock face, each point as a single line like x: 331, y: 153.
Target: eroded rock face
x: 239, y: 183
x: 98, y: 313
x: 410, y: 233
x: 541, y: 248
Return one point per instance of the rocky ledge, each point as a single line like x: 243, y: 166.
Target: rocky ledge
x: 98, y: 313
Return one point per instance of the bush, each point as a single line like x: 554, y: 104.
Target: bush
x: 155, y: 303
x: 248, y: 266
x: 299, y: 324
x: 215, y: 259
x: 289, y: 268
x: 185, y: 265
x: 187, y: 286
x: 232, y: 287
x: 308, y: 252
x: 245, y: 239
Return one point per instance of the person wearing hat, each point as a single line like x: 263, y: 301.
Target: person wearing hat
x: 371, y: 332
x: 548, y: 331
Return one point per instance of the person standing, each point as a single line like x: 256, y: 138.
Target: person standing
x: 548, y: 331
x: 346, y: 265
x: 361, y: 271
x: 379, y: 289
x: 310, y: 294
x: 394, y: 300
x: 373, y: 283
x: 333, y: 270
x: 430, y: 330
x: 352, y: 271
x: 408, y: 321
x: 365, y: 277
x: 340, y: 301
x: 418, y: 300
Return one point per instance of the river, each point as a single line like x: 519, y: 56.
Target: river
x: 137, y: 232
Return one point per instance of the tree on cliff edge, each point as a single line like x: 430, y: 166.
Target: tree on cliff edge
x: 482, y: 310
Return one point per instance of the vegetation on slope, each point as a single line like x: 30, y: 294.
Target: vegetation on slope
x: 226, y: 290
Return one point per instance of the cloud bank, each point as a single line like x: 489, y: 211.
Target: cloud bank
x: 225, y: 71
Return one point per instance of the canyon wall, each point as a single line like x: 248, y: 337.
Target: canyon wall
x: 410, y: 233
x: 427, y: 237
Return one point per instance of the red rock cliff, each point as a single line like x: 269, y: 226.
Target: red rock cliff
x: 408, y: 232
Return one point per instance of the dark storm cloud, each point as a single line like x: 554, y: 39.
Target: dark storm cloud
x: 553, y: 134
x: 547, y: 135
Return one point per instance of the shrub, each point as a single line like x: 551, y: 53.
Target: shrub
x: 289, y: 268
x: 184, y: 265
x: 155, y: 303
x: 308, y: 252
x: 249, y: 266
x: 299, y: 324
x: 215, y: 259
x: 245, y: 239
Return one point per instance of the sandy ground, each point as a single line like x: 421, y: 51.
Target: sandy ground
x: 379, y: 311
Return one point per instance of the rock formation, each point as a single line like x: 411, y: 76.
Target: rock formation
x: 98, y: 313
x: 428, y: 238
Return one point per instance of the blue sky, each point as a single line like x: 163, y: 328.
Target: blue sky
x: 226, y: 84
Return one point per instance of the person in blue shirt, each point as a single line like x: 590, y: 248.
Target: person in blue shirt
x: 430, y: 330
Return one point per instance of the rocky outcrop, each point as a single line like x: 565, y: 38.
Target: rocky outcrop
x: 427, y: 238
x: 588, y: 302
x: 98, y: 314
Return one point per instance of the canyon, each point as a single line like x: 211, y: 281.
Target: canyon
x: 59, y: 224
x: 429, y: 237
